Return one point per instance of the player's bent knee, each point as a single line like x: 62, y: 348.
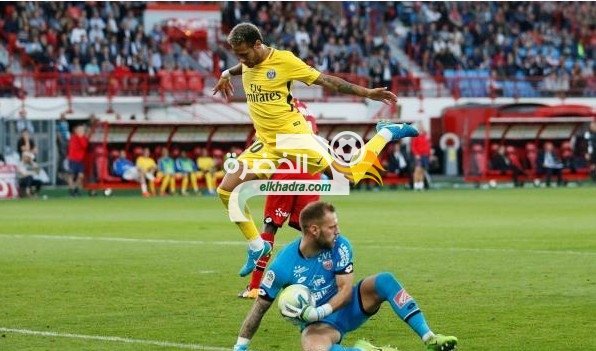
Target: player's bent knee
x: 385, y: 283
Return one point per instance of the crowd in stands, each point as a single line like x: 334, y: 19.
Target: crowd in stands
x: 551, y: 42
x: 315, y: 33
x: 556, y: 40
x: 90, y: 39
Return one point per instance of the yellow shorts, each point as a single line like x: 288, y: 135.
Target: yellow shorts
x: 264, y: 159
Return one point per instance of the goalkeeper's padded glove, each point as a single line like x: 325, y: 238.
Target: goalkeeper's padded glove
x: 308, y: 313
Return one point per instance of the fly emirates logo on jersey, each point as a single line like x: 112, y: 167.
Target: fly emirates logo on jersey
x: 258, y: 94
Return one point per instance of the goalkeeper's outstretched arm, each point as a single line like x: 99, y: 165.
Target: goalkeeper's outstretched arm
x: 251, y: 323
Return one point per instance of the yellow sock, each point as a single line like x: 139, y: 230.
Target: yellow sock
x: 193, y: 182
x: 376, y: 144
x: 151, y: 186
x: 248, y: 229
x: 164, y: 183
x: 185, y: 183
x: 172, y: 184
x: 210, y: 182
x: 364, y: 168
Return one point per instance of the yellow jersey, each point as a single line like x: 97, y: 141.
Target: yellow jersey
x: 205, y: 164
x: 146, y: 163
x: 268, y: 94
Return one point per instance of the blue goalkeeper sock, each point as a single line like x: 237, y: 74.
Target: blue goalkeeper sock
x: 338, y: 347
x: 388, y: 288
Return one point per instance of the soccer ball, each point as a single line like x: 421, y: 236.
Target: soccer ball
x: 346, y: 147
x: 296, y: 295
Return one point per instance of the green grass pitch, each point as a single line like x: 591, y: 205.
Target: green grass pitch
x: 505, y: 269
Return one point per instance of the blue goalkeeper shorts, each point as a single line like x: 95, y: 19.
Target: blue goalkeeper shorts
x: 349, y: 317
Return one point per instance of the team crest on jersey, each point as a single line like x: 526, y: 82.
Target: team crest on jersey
x: 269, y: 278
x: 328, y: 264
x: 271, y: 74
x: 401, y: 298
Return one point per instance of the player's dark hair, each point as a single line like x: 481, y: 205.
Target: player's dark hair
x: 314, y: 212
x: 246, y: 33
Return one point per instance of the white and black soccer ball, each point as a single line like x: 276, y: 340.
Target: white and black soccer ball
x: 346, y: 147
x: 294, y: 298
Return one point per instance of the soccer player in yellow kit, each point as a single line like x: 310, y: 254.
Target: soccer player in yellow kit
x: 147, y: 168
x: 267, y: 76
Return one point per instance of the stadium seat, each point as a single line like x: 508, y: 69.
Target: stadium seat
x: 174, y: 152
x: 136, y: 152
x: 195, y: 82
x: 102, y: 165
x: 532, y: 156
x: 165, y: 81
x: 114, y: 154
x: 179, y: 81
x: 479, y: 163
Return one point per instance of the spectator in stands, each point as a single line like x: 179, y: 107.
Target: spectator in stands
x: 187, y: 168
x: 506, y: 161
x: 551, y: 163
x: 62, y: 138
x: 166, y: 172
x: 421, y: 150
x: 77, y: 149
x: 24, y: 124
x: 28, y: 173
x: 26, y: 143
x: 591, y: 155
x: 147, y: 169
x: 499, y: 161
x: 4, y: 58
x: 207, y: 170
x: 398, y: 160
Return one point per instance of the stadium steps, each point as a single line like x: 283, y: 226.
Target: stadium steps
x: 430, y: 87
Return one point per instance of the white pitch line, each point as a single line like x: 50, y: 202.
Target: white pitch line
x: 115, y: 339
x: 243, y: 243
x: 132, y: 240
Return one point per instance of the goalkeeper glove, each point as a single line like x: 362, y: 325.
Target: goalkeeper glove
x: 308, y: 313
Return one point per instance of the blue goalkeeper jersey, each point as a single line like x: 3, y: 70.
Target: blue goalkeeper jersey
x: 317, y: 273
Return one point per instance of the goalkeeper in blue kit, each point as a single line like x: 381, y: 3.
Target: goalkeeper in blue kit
x: 322, y: 260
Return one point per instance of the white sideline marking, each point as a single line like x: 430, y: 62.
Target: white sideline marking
x: 115, y: 339
x: 243, y: 243
x: 132, y: 240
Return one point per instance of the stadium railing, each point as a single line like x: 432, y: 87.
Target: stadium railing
x: 186, y: 85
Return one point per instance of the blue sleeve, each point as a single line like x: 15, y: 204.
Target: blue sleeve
x: 343, y: 257
x: 177, y: 165
x: 273, y: 281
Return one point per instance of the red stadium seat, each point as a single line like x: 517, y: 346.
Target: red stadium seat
x: 114, y: 154
x: 175, y: 152
x: 137, y: 151
x: 102, y: 168
x: 195, y: 82
x: 179, y: 80
x: 165, y: 81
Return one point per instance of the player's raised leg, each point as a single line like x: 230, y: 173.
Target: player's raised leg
x: 386, y: 132
x: 257, y: 247
x: 384, y: 287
